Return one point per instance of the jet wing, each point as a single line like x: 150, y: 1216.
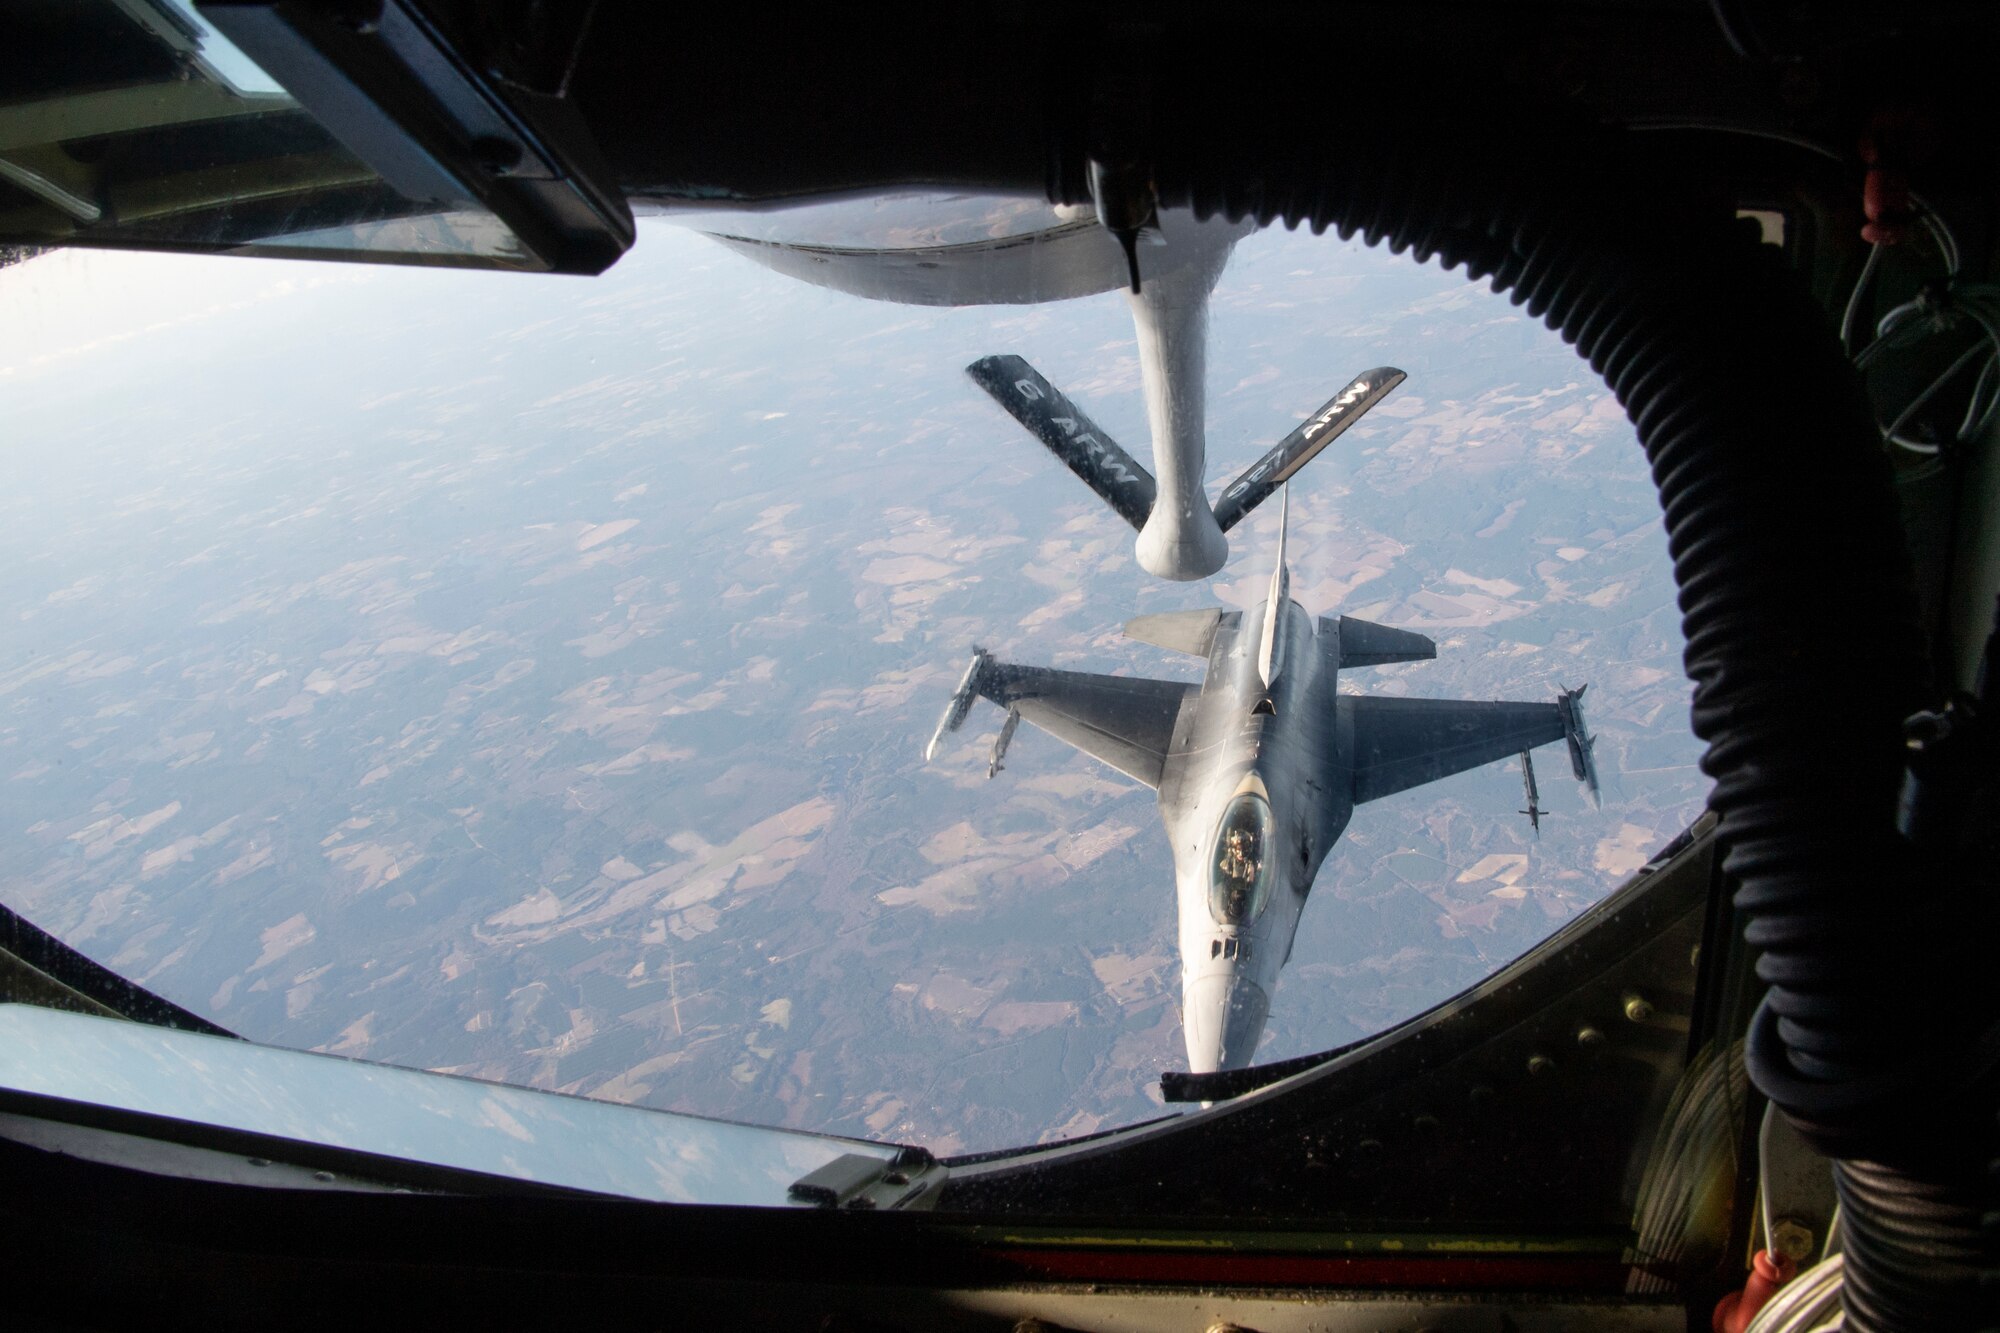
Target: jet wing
x: 1125, y: 721
x: 1397, y: 744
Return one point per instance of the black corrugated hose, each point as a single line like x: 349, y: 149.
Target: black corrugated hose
x: 1800, y: 618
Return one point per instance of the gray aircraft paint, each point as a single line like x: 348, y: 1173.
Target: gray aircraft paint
x: 1291, y: 741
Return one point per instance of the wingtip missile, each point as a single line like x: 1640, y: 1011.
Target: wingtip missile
x: 961, y: 701
x: 1582, y: 745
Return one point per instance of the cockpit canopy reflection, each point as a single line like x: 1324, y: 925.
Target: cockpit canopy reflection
x: 1240, y: 878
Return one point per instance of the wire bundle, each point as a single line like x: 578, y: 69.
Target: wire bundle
x: 1936, y: 311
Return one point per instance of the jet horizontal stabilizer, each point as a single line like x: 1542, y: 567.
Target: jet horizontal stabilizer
x: 1083, y: 447
x: 1365, y: 643
x: 1300, y: 447
x: 961, y: 701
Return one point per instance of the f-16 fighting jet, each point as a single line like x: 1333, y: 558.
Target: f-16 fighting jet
x: 1258, y: 769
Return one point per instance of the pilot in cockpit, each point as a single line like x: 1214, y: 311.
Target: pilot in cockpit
x: 1238, y: 866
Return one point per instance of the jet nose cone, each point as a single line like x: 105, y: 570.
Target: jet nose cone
x: 1222, y: 1017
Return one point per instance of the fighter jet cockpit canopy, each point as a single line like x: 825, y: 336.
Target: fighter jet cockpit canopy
x: 1241, y: 869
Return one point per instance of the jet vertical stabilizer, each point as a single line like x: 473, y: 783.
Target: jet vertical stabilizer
x: 1293, y: 452
x: 1270, y: 650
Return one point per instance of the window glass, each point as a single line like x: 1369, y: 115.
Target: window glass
x: 528, y: 677
x: 153, y: 130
